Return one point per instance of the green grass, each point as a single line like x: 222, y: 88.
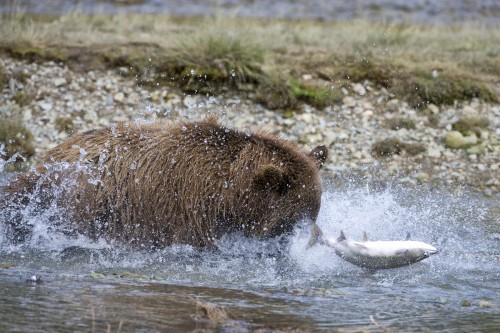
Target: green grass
x: 316, y: 94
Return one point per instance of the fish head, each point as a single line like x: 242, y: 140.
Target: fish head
x: 417, y: 253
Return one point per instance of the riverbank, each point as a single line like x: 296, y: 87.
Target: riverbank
x: 367, y: 143
x: 410, y: 105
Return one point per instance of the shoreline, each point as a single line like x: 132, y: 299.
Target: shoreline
x: 65, y: 101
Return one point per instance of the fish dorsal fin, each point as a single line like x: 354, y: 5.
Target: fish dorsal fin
x: 365, y: 236
x: 408, y: 236
x: 341, y: 237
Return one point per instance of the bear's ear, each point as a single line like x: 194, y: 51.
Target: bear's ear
x: 270, y: 177
x: 319, y: 155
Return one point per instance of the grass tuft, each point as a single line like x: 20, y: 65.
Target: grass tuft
x: 65, y: 125
x: 16, y: 139
x: 206, y: 63
x: 274, y: 91
x: 22, y: 98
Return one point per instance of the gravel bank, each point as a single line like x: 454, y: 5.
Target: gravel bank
x: 100, y: 98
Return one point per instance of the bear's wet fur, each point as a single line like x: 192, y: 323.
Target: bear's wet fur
x: 184, y: 183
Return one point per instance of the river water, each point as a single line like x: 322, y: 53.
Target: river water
x: 97, y: 287
x: 416, y: 11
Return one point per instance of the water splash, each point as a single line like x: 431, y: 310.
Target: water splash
x: 453, y: 223
x: 457, y: 224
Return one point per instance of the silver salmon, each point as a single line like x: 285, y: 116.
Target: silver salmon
x: 375, y: 254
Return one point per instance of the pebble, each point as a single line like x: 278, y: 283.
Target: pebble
x: 456, y: 140
x: 433, y: 108
x: 100, y: 98
x: 119, y: 97
x: 359, y: 89
x: 60, y: 82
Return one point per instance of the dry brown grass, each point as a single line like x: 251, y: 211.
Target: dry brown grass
x: 235, y: 52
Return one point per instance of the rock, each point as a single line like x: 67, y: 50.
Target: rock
x: 349, y: 101
x: 465, y: 303
x: 476, y: 150
x: 307, y: 77
x: 329, y: 137
x: 60, y: 81
x: 27, y: 116
x: 434, y: 152
x: 119, y: 97
x: 489, y: 193
x: 455, y: 140
x: 433, y: 109
x: 109, y: 100
x: 12, y: 85
x: 422, y: 176
x: 359, y: 89
x: 305, y: 118
x: 45, y: 106
x: 485, y: 304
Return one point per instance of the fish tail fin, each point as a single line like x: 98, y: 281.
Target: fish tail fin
x: 316, y: 236
x: 365, y: 236
x: 341, y: 237
x: 408, y: 236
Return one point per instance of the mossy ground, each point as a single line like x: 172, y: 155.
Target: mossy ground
x: 389, y: 147
x: 470, y: 125
x: 268, y: 59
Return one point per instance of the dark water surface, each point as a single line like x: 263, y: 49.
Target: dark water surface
x: 93, y: 287
x: 416, y: 11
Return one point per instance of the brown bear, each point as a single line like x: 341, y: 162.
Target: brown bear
x: 189, y: 182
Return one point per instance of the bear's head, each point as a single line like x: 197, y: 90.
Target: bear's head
x: 285, y: 189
